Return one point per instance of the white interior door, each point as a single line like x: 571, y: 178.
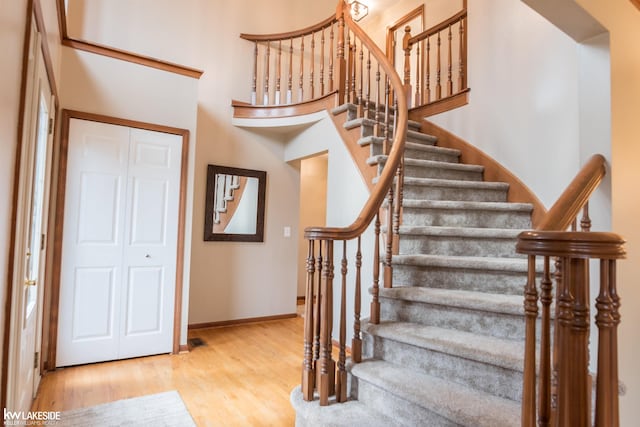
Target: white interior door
x: 119, y: 246
x: 33, y: 194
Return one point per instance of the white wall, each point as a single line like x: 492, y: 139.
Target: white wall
x: 101, y: 85
x: 622, y: 20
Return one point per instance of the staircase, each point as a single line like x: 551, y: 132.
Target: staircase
x: 450, y: 343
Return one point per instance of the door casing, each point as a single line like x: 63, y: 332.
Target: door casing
x: 67, y: 115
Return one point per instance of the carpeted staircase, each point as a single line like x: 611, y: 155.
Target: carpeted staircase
x: 449, y: 347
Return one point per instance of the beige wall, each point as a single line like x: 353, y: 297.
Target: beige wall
x: 313, y: 207
x: 622, y: 20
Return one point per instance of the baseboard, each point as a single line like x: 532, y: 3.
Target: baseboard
x: 241, y: 321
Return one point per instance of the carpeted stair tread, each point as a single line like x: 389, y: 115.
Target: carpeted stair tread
x: 464, y: 262
x: 495, y: 303
x: 467, y: 205
x: 426, y: 230
x: 482, y: 348
x: 431, y: 148
x: 435, y: 182
x: 349, y: 414
x: 460, y: 404
x: 434, y: 164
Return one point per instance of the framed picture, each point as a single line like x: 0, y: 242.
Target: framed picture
x: 234, y: 206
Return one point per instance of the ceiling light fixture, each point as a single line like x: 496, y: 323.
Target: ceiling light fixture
x: 358, y: 10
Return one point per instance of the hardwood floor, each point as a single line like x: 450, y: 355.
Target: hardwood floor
x: 242, y: 376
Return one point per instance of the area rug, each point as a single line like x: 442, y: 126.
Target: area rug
x: 157, y: 410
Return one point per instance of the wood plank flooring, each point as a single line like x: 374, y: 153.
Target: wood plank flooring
x: 242, y: 376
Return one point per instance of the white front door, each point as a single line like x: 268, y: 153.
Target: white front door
x: 31, y: 225
x: 119, y: 246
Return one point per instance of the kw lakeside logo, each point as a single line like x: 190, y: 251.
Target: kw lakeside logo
x: 31, y: 418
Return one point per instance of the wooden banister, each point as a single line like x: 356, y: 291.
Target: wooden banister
x: 291, y: 34
x: 372, y: 206
x: 576, y: 195
x: 566, y: 400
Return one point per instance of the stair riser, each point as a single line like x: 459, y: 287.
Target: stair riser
x: 429, y: 192
x: 509, y: 283
x: 466, y: 218
x: 404, y: 412
x: 506, y: 383
x: 501, y: 325
x: 443, y: 156
x: 416, y: 171
x: 457, y: 245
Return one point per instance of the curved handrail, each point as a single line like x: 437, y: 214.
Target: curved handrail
x: 385, y: 180
x: 438, y: 27
x: 575, y: 196
x: 291, y: 34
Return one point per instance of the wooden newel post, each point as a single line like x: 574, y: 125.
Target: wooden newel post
x: 341, y: 65
x: 406, y: 46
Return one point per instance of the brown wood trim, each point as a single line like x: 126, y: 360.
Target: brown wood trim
x: 14, y: 210
x: 440, y: 106
x: 244, y: 110
x: 135, y: 58
x: 67, y: 115
x: 291, y: 34
x: 415, y: 13
x: 571, y: 244
x: 123, y: 55
x: 636, y: 3
x: 300, y: 300
x: 493, y: 171
x: 241, y: 321
x: 44, y: 45
x: 183, y: 348
x: 438, y: 27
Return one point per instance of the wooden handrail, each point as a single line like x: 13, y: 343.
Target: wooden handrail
x: 291, y: 34
x: 373, y: 204
x: 576, y: 195
x: 438, y: 27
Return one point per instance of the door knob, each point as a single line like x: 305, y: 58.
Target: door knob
x: 30, y: 282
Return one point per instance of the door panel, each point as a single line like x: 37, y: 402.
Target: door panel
x: 119, y: 243
x: 93, y: 233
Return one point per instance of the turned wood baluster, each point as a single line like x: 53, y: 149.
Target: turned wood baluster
x: 367, y: 103
x: 301, y: 80
x: 341, y: 377
x: 375, y: 292
x: 564, y: 318
x: 438, y: 70
x: 356, y: 341
x: 585, y: 221
x: 341, y: 62
x: 544, y: 388
x: 406, y: 46
x: 427, y: 97
x: 265, y: 100
x: 607, y: 320
x: 353, y: 55
x: 313, y: 65
x: 418, y: 76
x: 254, y: 82
x: 449, y: 66
x: 349, y: 53
x: 316, y: 336
x: 331, y: 42
x: 361, y: 106
x: 290, y: 77
x: 326, y: 383
x: 377, y: 130
x: 308, y: 372
x: 278, y: 73
x: 397, y: 211
x: 529, y: 376
x: 558, y: 277
x: 461, y: 58
x: 386, y: 144
x: 389, y: 246
x: 322, y: 63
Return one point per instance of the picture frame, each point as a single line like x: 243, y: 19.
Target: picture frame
x: 234, y: 204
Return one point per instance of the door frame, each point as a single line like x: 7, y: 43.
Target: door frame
x: 67, y: 115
